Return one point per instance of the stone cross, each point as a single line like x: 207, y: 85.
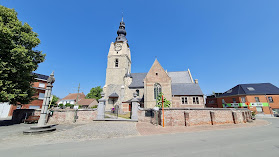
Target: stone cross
x: 46, y: 101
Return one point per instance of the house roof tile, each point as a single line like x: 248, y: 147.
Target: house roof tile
x: 73, y: 96
x: 86, y: 101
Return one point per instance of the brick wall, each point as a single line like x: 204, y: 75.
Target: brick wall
x: 223, y: 117
x: 66, y: 116
x: 148, y: 115
x: 85, y: 116
x: 194, y: 116
x: 126, y: 107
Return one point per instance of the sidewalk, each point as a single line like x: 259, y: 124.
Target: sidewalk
x: 8, y: 118
x: 149, y: 129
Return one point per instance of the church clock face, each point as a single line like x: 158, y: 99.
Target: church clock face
x: 118, y: 47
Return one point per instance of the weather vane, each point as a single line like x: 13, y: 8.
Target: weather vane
x: 122, y: 15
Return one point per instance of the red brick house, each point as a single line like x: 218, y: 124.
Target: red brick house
x: 261, y: 97
x: 211, y: 100
x: 40, y: 86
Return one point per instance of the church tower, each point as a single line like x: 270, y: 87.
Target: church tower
x: 118, y: 66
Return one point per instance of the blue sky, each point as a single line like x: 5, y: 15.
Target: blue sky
x: 223, y: 43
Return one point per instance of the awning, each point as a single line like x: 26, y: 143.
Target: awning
x: 113, y: 95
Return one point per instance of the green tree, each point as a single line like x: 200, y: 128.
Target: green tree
x: 95, y: 93
x: 159, y: 101
x: 18, y: 59
x: 54, y: 100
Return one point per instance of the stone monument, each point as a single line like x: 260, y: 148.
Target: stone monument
x: 42, y: 127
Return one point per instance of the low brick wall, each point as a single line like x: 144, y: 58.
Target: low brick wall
x: 194, y: 116
x: 148, y: 115
x: 67, y: 116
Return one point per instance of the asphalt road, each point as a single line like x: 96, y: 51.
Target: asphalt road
x: 262, y: 141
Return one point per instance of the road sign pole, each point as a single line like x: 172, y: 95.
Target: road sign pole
x: 163, y: 110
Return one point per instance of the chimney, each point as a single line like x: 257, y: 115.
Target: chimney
x: 196, y: 81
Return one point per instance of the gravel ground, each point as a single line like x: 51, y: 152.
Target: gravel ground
x: 12, y: 136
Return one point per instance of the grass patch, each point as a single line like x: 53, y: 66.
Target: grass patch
x: 126, y: 115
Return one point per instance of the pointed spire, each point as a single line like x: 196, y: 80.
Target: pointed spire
x: 121, y: 32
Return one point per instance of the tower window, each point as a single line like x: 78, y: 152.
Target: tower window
x: 137, y: 91
x: 116, y: 63
x: 157, y: 90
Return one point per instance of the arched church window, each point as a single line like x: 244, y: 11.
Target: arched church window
x: 157, y: 90
x: 116, y: 63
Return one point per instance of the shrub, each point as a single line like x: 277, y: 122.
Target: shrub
x: 159, y: 101
x: 61, y: 106
x: 69, y: 105
x: 95, y: 106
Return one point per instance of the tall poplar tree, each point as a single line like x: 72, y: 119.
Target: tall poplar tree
x: 18, y: 58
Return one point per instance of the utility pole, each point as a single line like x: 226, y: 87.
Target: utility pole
x: 163, y: 110
x: 76, y: 117
x: 78, y: 94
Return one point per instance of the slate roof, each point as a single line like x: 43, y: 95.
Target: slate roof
x: 186, y: 89
x: 41, y: 76
x: 181, y: 83
x: 114, y: 95
x: 137, y: 80
x: 180, y: 77
x: 259, y: 89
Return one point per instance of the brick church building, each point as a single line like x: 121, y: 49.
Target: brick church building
x: 178, y: 87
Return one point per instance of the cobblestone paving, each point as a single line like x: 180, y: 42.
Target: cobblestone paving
x: 12, y: 136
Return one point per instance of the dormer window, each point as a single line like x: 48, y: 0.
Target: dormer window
x: 116, y: 63
x: 250, y: 88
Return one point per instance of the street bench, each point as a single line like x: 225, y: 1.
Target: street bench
x: 32, y: 119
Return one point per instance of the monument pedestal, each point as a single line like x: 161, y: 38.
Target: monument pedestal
x: 40, y: 129
x: 41, y: 126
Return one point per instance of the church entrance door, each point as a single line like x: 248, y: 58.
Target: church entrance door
x: 112, y: 113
